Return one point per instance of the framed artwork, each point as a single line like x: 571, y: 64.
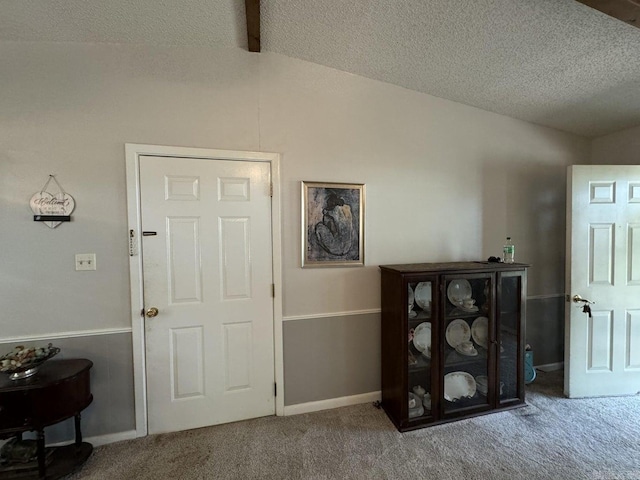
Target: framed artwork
x: 332, y: 224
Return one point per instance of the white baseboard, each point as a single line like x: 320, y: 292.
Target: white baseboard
x: 102, y: 439
x: 112, y: 438
x: 332, y: 403
x: 331, y: 314
x: 550, y: 367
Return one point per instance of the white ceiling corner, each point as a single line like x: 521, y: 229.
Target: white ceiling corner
x: 555, y: 63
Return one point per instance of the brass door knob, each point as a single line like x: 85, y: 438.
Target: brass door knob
x: 152, y: 312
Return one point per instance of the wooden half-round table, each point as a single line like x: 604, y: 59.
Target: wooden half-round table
x: 59, y: 390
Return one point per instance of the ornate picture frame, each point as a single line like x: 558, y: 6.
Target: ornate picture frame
x: 332, y: 224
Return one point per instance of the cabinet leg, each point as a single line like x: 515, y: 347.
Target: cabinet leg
x: 78, y: 430
x: 41, y: 455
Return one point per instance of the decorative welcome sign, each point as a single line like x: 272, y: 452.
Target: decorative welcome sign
x: 52, y: 208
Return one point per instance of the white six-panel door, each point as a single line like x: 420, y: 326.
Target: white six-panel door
x: 208, y: 271
x: 602, y: 354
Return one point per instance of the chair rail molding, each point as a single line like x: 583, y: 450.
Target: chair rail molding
x: 68, y: 334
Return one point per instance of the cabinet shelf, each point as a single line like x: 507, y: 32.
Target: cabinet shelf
x: 421, y: 418
x: 422, y: 363
x: 457, y: 313
x: 498, y: 369
x: 453, y: 359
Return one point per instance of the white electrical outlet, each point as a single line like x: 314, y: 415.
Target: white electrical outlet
x: 85, y: 261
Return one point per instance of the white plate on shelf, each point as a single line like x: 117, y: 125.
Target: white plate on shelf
x: 422, y: 338
x: 423, y: 295
x: 459, y: 385
x: 411, y: 298
x: 458, y: 290
x: 470, y: 353
x: 458, y: 331
x: 480, y: 331
x: 482, y: 384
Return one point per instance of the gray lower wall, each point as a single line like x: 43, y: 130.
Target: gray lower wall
x: 333, y: 357
x: 324, y: 358
x: 112, y: 410
x: 545, y: 329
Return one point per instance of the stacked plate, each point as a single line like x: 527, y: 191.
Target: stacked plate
x: 422, y: 339
x: 482, y: 383
x: 480, y: 331
x: 459, y: 385
x: 458, y: 331
x: 458, y: 291
x: 411, y: 296
x: 423, y: 295
x: 467, y: 349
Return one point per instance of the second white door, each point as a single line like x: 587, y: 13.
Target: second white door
x: 602, y: 352
x: 207, y: 267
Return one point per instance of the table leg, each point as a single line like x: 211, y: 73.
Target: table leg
x: 78, y: 431
x: 41, y: 455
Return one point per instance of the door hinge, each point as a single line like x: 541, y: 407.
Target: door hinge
x: 273, y: 290
x: 275, y: 389
x: 271, y: 189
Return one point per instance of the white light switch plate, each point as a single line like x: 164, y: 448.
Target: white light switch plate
x: 85, y: 261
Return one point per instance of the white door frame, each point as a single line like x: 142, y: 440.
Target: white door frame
x: 133, y: 153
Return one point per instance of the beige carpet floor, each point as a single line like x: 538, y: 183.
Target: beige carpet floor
x: 551, y: 438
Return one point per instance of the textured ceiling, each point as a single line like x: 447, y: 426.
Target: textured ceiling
x: 552, y: 62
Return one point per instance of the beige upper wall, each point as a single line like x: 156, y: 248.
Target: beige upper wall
x: 621, y: 148
x: 68, y: 109
x: 444, y: 181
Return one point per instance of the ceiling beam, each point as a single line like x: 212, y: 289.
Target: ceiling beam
x: 252, y: 9
x: 626, y: 10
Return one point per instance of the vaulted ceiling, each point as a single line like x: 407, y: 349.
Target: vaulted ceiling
x: 557, y: 63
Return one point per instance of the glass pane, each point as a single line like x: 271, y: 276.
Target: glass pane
x: 419, y: 296
x: 466, y: 331
x: 508, y: 335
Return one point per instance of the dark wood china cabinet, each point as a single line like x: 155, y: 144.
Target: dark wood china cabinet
x: 452, y: 340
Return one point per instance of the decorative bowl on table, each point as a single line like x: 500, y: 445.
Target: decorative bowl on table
x: 24, y: 362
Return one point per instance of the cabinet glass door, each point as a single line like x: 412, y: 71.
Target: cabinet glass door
x: 419, y: 317
x: 511, y: 362
x: 468, y: 310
